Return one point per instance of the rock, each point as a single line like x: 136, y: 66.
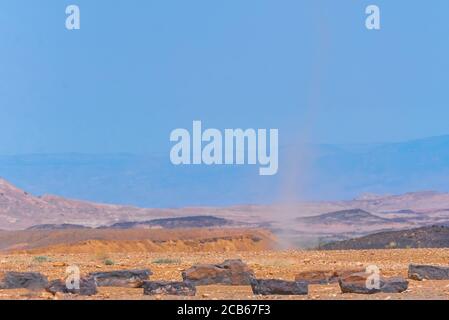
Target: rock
x: 168, y: 288
x: 360, y: 283
x: 279, y: 287
x: 394, y: 285
x: 428, y: 272
x: 25, y: 280
x: 88, y: 287
x: 324, y: 276
x: 232, y: 272
x: 121, y: 278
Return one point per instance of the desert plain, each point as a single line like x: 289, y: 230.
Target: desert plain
x: 48, y: 234
x: 279, y: 264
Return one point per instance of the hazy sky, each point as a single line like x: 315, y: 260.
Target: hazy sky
x: 138, y: 69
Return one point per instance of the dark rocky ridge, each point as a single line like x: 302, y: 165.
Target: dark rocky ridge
x: 424, y: 237
x: 175, y: 223
x: 166, y: 223
x: 64, y: 226
x: 350, y: 216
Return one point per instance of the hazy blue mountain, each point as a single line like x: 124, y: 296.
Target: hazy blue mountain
x: 306, y: 172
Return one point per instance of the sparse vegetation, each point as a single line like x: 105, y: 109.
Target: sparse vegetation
x: 41, y: 259
x: 166, y: 261
x: 108, y: 262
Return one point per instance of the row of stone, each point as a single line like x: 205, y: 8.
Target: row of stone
x: 87, y: 285
x: 230, y: 272
x: 363, y: 282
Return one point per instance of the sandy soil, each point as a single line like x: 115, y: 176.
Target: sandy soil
x: 266, y: 264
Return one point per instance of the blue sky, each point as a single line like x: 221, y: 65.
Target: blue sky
x: 138, y: 69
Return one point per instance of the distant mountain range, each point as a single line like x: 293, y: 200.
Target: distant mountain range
x: 300, y: 224
x: 307, y: 172
x: 21, y: 210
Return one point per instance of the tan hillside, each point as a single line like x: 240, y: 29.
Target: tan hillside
x: 136, y: 240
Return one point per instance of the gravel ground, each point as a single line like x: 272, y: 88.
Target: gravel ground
x: 266, y: 264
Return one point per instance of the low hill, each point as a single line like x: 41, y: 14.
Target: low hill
x: 424, y: 237
x: 350, y: 216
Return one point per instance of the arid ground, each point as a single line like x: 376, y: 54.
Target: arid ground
x: 266, y: 264
x: 47, y: 234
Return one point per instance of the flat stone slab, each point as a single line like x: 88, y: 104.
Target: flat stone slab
x: 87, y: 287
x: 360, y: 283
x: 324, y: 276
x: 121, y: 278
x: 23, y: 280
x: 279, y: 287
x: 428, y: 272
x: 231, y: 272
x: 168, y: 288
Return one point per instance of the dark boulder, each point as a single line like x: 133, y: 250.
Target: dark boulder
x: 360, y: 283
x: 393, y: 285
x: 121, y: 278
x: 231, y: 272
x: 279, y: 287
x: 25, y: 280
x: 420, y: 272
x: 87, y: 287
x: 168, y: 288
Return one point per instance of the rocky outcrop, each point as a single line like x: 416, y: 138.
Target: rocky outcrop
x: 121, y: 278
x: 231, y: 272
x: 87, y: 287
x: 279, y: 287
x: 361, y: 283
x: 23, y: 280
x: 423, y: 237
x: 168, y: 288
x: 428, y: 272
